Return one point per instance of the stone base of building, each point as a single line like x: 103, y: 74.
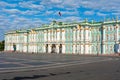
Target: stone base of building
x: 91, y: 54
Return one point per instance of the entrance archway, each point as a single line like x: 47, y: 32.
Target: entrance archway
x: 14, y: 47
x: 60, y: 48
x: 53, y: 48
x: 46, y: 48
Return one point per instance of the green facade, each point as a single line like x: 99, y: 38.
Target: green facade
x: 74, y: 38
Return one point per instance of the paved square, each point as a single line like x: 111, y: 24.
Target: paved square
x: 20, y: 61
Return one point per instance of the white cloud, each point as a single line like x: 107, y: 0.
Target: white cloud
x: 4, y: 4
x: 89, y: 12
x: 30, y: 12
x: 72, y: 18
x: 48, y: 13
x: 65, y: 4
x: 101, y: 14
x: 69, y: 12
x: 12, y: 11
x: 72, y: 3
x: 64, y: 13
x: 57, y: 1
x: 102, y: 5
x: 17, y: 22
x: 12, y: 16
x: 116, y: 13
x: 18, y: 12
x: 21, y: 22
x: 31, y: 5
x: 66, y: 19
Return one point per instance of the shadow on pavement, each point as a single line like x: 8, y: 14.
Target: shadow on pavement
x: 33, y: 77
x: 37, y: 76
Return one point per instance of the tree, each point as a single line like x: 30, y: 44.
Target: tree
x: 2, y: 45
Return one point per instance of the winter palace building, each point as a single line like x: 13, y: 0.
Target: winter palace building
x: 66, y: 38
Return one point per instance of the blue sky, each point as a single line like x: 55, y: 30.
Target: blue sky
x: 23, y: 14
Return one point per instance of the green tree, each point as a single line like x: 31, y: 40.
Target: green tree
x: 2, y: 43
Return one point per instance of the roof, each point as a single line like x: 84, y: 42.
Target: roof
x: 56, y: 24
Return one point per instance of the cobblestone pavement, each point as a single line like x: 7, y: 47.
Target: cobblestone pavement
x: 21, y: 61
x: 22, y: 66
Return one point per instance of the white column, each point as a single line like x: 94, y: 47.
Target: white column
x: 104, y: 36
x: 117, y: 32
x: 74, y: 48
x: 104, y: 33
x: 48, y: 35
x: 58, y: 34
x: 49, y: 48
x: 86, y: 49
x: 78, y: 49
x: 74, y: 34
x: 63, y: 48
x: 51, y: 35
x: 82, y: 34
x: 90, y: 49
x: 57, y: 49
x: 82, y: 49
x: 87, y: 34
x: 78, y: 35
x: 90, y: 35
x: 104, y: 48
x: 44, y: 48
x: 45, y: 35
x: 25, y: 48
x: 63, y: 34
x: 55, y: 34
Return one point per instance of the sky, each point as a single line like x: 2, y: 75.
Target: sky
x: 24, y: 14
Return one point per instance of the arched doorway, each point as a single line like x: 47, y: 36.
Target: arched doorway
x: 14, y: 47
x: 60, y: 48
x: 53, y: 48
x: 46, y: 48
